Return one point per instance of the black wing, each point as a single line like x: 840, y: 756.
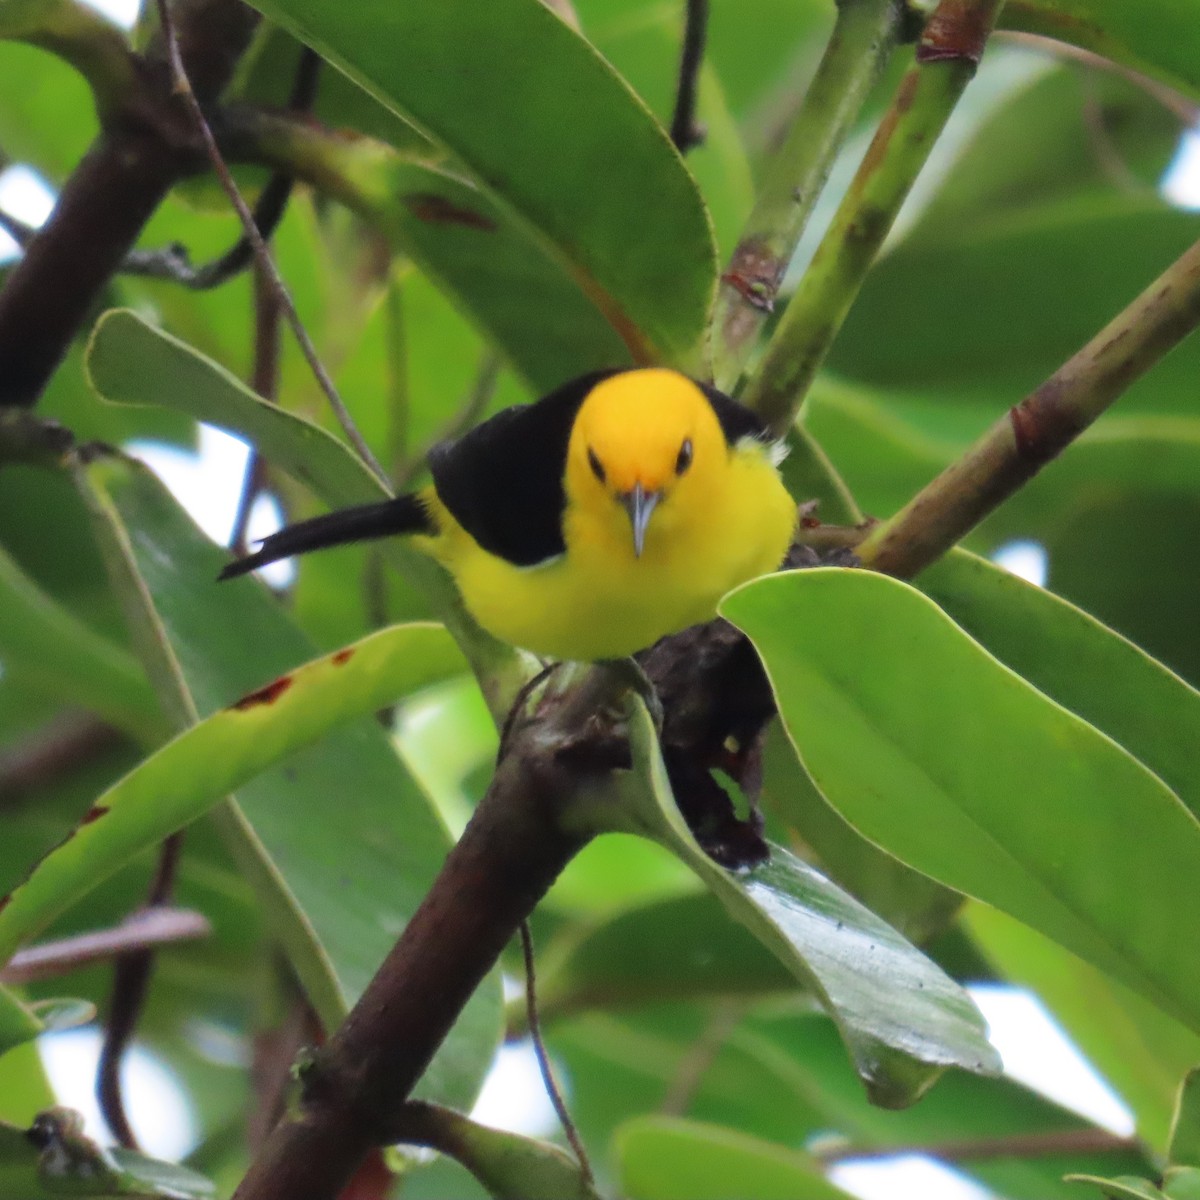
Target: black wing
x: 503, y: 481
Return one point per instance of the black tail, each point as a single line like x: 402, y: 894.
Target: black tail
x: 404, y: 514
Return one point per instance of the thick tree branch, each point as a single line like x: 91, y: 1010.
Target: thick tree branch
x: 510, y: 853
x: 144, y: 148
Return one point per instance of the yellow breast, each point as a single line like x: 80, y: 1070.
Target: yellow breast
x: 600, y: 600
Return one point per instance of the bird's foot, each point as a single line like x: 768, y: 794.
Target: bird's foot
x: 513, y: 721
x: 629, y: 671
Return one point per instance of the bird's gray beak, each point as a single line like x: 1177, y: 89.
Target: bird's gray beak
x: 639, y: 504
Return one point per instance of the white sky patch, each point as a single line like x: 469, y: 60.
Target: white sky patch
x: 208, y: 484
x: 1024, y: 558
x: 158, y: 1110
x: 1181, y: 183
x: 906, y: 1177
x: 24, y: 194
x: 1037, y: 1053
x: 123, y: 12
x: 513, y: 1096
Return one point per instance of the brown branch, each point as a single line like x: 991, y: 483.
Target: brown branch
x: 510, y: 853
x: 1017, y: 1145
x: 262, y: 255
x: 1038, y: 429
x: 57, y: 749
x: 144, y: 148
x: 685, y: 132
x: 131, y: 986
x: 149, y: 927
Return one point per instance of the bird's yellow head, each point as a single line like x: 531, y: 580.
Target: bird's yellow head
x: 642, y: 443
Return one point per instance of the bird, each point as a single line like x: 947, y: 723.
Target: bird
x: 585, y: 526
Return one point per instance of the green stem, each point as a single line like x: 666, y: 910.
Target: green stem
x: 79, y: 35
x: 864, y: 35
x: 947, y: 55
x: 1041, y: 426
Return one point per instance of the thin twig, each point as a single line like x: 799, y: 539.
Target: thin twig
x: 131, y: 986
x: 262, y: 254
x: 146, y: 928
x: 1019, y: 1145
x: 59, y: 748
x: 685, y: 132
x: 543, y: 1059
x: 701, y: 1055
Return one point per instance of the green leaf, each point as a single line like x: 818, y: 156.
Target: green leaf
x: 532, y: 111
x: 938, y: 753
x: 17, y: 1023
x: 54, y: 1158
x: 1162, y: 43
x: 1182, y: 1183
x: 915, y: 905
x: 1054, y: 275
x: 510, y: 1166
x: 69, y: 660
x: 192, y: 772
x: 347, y: 798
x: 665, y: 1158
x: 681, y: 948
x: 1124, y: 1187
x: 1063, y: 651
x: 1184, y: 1149
x: 903, y: 1020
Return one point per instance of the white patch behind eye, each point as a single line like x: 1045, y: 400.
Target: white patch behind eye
x: 776, y: 451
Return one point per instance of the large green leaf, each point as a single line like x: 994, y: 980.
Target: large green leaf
x: 940, y: 754
x: 903, y: 1020
x: 345, y: 799
x: 1053, y: 275
x: 195, y: 770
x: 553, y: 133
x: 664, y: 1158
x: 68, y: 659
x: 683, y: 947
x: 1066, y: 653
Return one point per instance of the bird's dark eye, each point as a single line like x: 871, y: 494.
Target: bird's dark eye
x: 596, y: 465
x: 685, y: 457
